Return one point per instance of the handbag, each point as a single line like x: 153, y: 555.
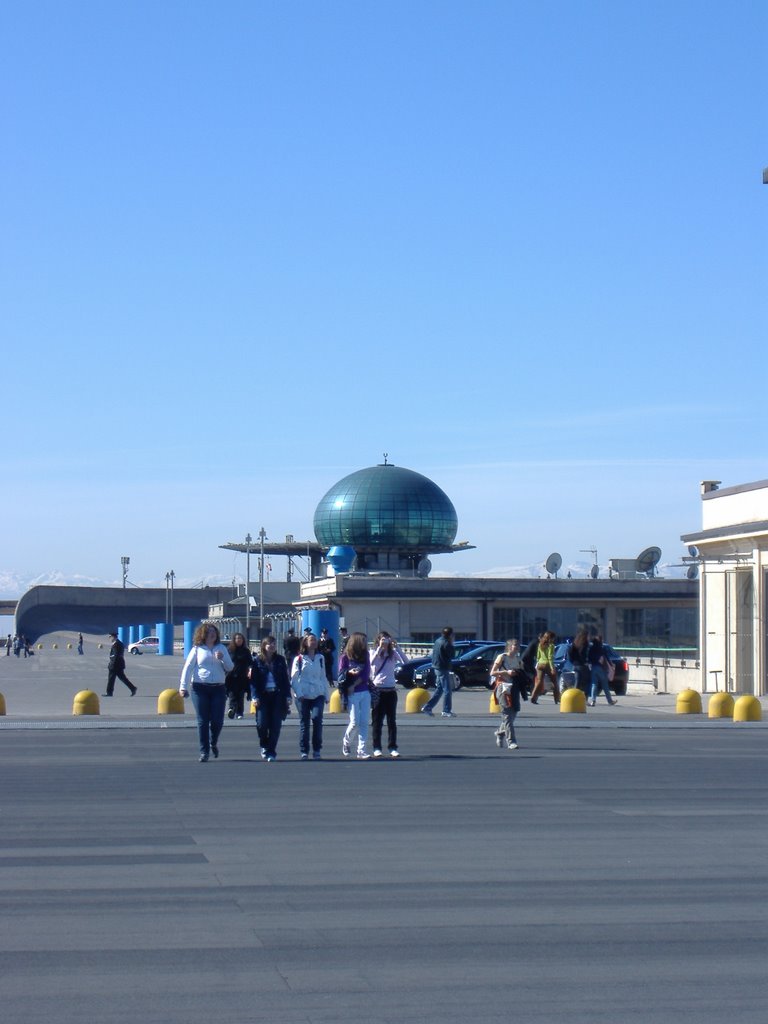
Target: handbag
x: 610, y: 669
x: 344, y: 682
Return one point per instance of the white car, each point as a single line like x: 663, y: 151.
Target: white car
x: 147, y: 643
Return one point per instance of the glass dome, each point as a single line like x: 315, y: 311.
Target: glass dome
x: 386, y: 507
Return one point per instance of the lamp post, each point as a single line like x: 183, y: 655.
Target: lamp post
x: 171, y: 576
x: 125, y: 562
x: 262, y: 538
x: 248, y: 540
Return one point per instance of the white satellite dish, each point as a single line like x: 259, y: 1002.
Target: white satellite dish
x: 553, y: 563
x: 648, y: 559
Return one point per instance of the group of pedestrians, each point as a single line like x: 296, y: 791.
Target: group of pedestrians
x: 215, y: 675
x: 19, y: 644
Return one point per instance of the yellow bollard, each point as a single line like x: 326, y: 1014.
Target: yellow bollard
x: 2, y: 704
x: 573, y: 701
x: 688, y: 702
x: 720, y: 706
x: 747, y: 709
x: 254, y: 707
x: 416, y: 699
x: 86, y: 703
x: 170, y: 702
x: 334, y: 704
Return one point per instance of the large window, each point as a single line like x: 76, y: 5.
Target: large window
x: 656, y: 627
x: 528, y: 623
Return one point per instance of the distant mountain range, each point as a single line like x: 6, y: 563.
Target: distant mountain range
x: 14, y: 584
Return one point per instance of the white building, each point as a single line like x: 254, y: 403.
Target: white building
x: 732, y: 551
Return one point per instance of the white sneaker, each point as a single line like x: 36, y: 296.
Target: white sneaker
x: 511, y: 746
x: 447, y: 714
x: 394, y: 753
x: 377, y: 753
x: 363, y: 756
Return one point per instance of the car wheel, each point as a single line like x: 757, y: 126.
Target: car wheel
x: 456, y: 681
x: 134, y: 651
x: 620, y: 689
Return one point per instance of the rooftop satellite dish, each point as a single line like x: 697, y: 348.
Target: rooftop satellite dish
x: 693, y: 572
x: 594, y: 572
x: 648, y: 559
x: 693, y: 551
x: 553, y: 563
x: 424, y: 568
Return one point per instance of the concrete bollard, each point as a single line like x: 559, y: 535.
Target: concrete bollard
x: 747, y: 709
x: 2, y: 704
x: 688, y: 702
x: 334, y: 704
x: 86, y: 703
x: 573, y: 701
x: 416, y: 699
x: 720, y: 706
x: 170, y: 702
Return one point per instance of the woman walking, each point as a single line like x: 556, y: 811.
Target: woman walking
x: 203, y: 676
x: 597, y: 657
x: 355, y: 666
x: 310, y: 688
x: 509, y: 676
x: 545, y: 667
x: 385, y: 658
x: 237, y: 679
x: 271, y: 687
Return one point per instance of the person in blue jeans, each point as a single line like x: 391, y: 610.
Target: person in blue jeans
x: 597, y: 658
x: 443, y: 654
x: 203, y: 676
x: 271, y: 687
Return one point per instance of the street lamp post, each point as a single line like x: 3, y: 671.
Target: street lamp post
x: 125, y: 562
x: 262, y: 538
x: 172, y: 574
x: 248, y: 540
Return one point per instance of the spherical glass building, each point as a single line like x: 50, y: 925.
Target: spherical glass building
x: 387, y: 508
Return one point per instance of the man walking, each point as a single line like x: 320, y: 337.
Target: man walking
x: 117, y: 667
x: 443, y: 654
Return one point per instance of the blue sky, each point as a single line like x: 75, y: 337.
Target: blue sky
x: 248, y: 247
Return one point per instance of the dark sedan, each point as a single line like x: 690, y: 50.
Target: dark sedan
x: 471, y: 668
x: 404, y: 674
x: 619, y: 662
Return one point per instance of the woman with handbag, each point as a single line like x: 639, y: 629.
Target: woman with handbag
x: 310, y: 688
x: 203, y: 676
x: 355, y: 671
x: 271, y: 688
x: 510, y: 682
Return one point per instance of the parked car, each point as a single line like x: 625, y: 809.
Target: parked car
x: 619, y: 662
x: 470, y: 668
x: 147, y: 643
x: 404, y: 674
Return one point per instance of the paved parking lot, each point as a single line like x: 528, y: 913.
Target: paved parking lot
x: 612, y: 869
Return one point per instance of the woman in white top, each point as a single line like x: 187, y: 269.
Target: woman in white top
x: 204, y: 675
x: 311, y: 690
x: 509, y: 678
x: 385, y: 658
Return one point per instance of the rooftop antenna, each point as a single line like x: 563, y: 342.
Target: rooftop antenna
x: 594, y: 572
x: 386, y: 456
x: 553, y: 563
x: 647, y: 560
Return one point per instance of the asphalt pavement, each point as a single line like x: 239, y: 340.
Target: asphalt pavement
x: 610, y: 869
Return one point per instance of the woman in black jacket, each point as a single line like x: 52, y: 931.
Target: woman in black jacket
x: 271, y: 687
x: 237, y: 679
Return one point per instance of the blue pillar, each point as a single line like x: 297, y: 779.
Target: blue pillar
x: 146, y: 630
x: 123, y: 634
x: 133, y: 634
x: 190, y: 625
x: 165, y: 636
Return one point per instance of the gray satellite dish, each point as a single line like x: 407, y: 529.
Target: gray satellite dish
x: 424, y: 568
x: 693, y: 572
x: 553, y: 563
x: 648, y: 559
x: 594, y: 572
x: 693, y: 551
